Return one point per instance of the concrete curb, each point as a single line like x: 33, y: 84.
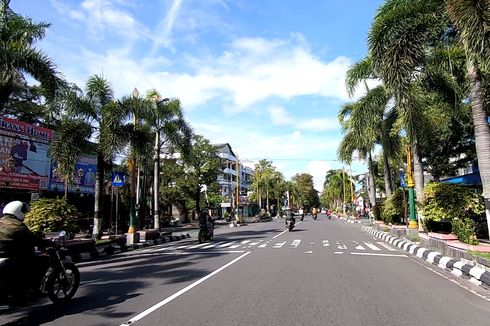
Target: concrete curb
x: 459, y: 268
x: 113, y: 248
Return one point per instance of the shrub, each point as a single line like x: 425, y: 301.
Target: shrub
x: 51, y: 215
x: 465, y: 230
x: 393, y: 211
x: 443, y: 201
x: 378, y: 211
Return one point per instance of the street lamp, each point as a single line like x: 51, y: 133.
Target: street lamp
x: 132, y: 206
x: 156, y: 159
x: 412, y: 224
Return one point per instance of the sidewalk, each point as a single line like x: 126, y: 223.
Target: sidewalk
x: 462, y: 264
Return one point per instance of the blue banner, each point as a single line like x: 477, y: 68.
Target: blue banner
x: 84, y: 177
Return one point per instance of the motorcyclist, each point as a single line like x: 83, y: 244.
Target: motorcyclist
x: 17, y: 243
x: 205, y: 220
x: 291, y: 219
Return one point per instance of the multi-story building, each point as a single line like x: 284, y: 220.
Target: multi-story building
x: 228, y: 182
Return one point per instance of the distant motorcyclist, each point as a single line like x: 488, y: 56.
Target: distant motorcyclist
x: 205, y: 219
x: 17, y: 243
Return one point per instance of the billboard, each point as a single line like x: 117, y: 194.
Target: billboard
x: 84, y: 177
x: 24, y: 162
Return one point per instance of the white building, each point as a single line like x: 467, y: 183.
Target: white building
x: 228, y: 180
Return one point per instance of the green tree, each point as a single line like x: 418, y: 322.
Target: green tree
x: 404, y: 33
x: 166, y: 118
x: 306, y: 195
x: 99, y: 108
x: 69, y: 143
x: 18, y: 56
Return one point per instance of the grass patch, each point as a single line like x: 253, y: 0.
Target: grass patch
x: 479, y: 254
x: 102, y: 242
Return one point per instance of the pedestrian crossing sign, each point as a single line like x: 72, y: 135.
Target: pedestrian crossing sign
x: 118, y: 179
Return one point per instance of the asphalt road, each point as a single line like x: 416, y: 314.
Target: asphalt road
x: 326, y: 272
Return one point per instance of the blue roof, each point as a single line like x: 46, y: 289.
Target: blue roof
x: 471, y: 179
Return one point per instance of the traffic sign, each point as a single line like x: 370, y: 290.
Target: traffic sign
x: 118, y: 179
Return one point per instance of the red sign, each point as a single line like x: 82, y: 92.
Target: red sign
x: 24, y: 162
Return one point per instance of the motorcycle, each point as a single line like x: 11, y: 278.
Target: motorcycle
x: 206, y: 232
x: 59, y: 279
x: 290, y: 222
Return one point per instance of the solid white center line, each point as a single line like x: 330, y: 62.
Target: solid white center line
x: 179, y: 293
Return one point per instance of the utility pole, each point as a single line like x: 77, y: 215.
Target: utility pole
x: 412, y: 224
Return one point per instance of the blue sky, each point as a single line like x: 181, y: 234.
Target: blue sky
x: 266, y: 76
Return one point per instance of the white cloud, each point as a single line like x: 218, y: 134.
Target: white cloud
x: 280, y: 117
x: 318, y: 170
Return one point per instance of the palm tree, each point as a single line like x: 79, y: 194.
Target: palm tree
x: 166, y: 118
x: 471, y: 20
x: 376, y: 101
x: 401, y: 37
x: 69, y: 143
x: 98, y: 108
x: 18, y: 55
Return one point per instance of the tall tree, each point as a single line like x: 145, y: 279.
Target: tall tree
x: 166, y: 118
x: 18, y: 55
x: 69, y: 143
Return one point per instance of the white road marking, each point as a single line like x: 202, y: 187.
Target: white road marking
x: 341, y: 245
x: 264, y: 245
x: 179, y: 293
x: 382, y: 244
x: 197, y: 246
x: 338, y: 252
x: 325, y: 243
x: 373, y: 254
x: 295, y: 243
x: 279, y: 244
x: 254, y: 243
x: 308, y: 252
x: 212, y: 245
x: 226, y: 244
x: 240, y: 244
x: 277, y: 235
x: 371, y: 246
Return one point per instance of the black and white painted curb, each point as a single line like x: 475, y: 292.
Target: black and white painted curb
x: 459, y: 268
x: 113, y: 248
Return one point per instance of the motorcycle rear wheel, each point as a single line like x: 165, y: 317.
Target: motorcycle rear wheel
x: 201, y: 237
x: 61, y: 290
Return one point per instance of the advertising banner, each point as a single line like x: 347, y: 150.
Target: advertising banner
x: 84, y: 177
x: 24, y: 162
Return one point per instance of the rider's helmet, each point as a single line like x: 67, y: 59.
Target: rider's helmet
x: 16, y: 208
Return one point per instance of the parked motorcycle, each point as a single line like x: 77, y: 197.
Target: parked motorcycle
x: 59, y: 279
x: 290, y: 222
x: 206, y: 232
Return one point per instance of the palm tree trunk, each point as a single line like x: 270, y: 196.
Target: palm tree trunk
x: 66, y: 189
x: 99, y: 180
x: 372, y: 185
x: 482, y: 135
x: 418, y: 172
x: 267, y: 194
x: 387, y: 176
x: 156, y: 183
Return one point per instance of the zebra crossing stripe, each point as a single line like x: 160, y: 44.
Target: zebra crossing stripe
x: 371, y: 246
x: 212, y: 245
x: 295, y: 243
x: 197, y: 246
x: 279, y: 244
x: 240, y: 244
x: 226, y: 244
x: 382, y: 244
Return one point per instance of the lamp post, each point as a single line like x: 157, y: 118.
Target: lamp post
x: 412, y: 224
x: 156, y: 166
x: 132, y: 207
